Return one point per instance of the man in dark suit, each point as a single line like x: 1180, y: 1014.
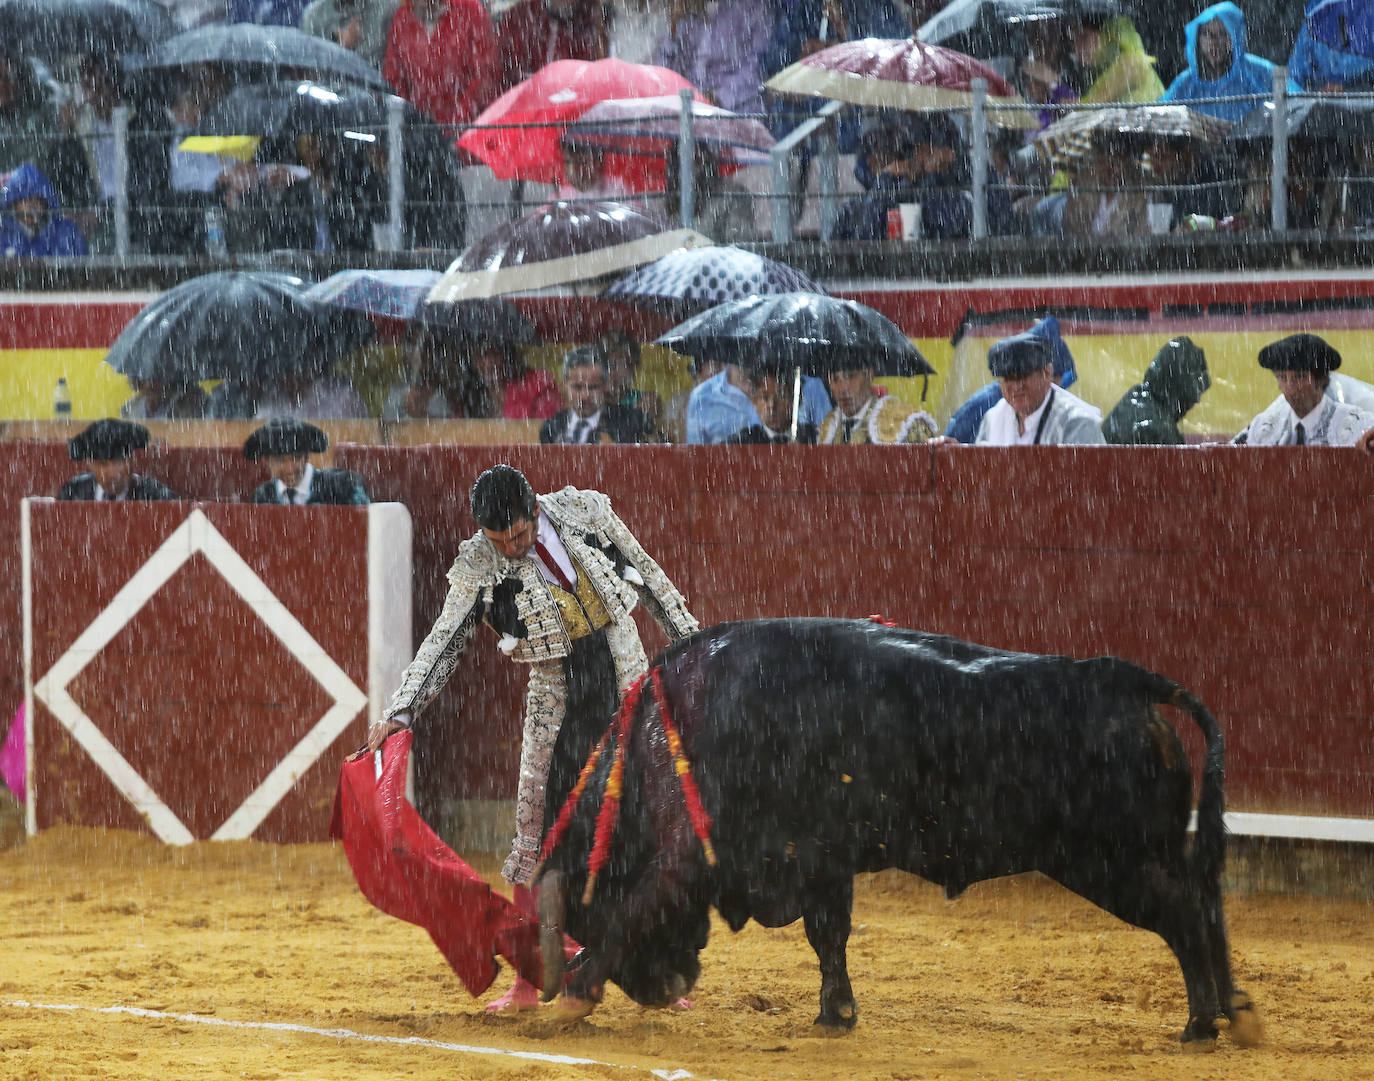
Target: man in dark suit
x: 107, y: 445
x: 589, y: 418
x: 770, y: 389
x: 287, y: 444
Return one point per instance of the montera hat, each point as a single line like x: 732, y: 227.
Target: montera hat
x: 285, y: 436
x: 106, y: 440
x: 1300, y: 353
x: 1019, y: 355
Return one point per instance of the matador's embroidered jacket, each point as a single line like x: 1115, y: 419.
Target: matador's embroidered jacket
x: 537, y: 623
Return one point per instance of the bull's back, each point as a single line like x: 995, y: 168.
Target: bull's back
x: 821, y: 740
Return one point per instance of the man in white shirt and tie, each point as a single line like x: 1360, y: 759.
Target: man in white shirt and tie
x: 1305, y: 413
x: 286, y: 446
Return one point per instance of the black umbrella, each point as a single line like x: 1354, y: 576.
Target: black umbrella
x: 269, y: 51
x: 815, y: 332
x: 237, y: 323
x: 53, y: 28
x: 294, y: 106
x: 1326, y: 120
x: 486, y: 319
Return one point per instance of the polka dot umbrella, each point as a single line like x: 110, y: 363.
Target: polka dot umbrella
x: 694, y: 279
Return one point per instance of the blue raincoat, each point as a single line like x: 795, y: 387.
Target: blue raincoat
x: 1249, y: 74
x: 1314, y: 65
x: 59, y: 236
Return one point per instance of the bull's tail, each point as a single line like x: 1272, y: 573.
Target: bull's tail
x: 1209, y: 846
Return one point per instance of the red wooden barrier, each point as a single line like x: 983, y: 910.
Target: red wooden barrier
x: 202, y: 669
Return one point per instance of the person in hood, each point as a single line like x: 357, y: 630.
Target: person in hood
x: 30, y: 225
x: 1114, y: 60
x: 963, y: 425
x: 1317, y: 67
x: 1219, y: 66
x: 1150, y: 411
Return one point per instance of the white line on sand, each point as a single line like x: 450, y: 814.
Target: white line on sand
x: 346, y: 1034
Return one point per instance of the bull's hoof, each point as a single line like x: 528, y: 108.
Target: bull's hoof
x: 568, y: 1008
x: 837, y: 1021
x: 1200, y: 1036
x: 1247, y: 1028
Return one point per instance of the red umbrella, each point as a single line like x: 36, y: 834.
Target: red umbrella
x: 900, y: 74
x: 556, y: 96
x: 404, y: 869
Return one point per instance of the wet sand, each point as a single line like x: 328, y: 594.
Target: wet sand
x: 1017, y: 979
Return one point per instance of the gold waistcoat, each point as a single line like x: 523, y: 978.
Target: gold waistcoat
x: 583, y: 611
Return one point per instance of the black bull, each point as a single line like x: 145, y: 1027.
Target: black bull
x: 824, y: 748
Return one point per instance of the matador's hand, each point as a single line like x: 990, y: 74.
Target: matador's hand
x: 380, y: 730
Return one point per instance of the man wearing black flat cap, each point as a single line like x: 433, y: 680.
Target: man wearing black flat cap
x: 107, y: 445
x: 1305, y: 413
x: 286, y: 445
x: 1033, y: 409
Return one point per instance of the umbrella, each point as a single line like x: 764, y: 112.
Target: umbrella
x: 53, y: 28
x: 651, y: 126
x: 557, y: 244
x: 900, y: 74
x: 1082, y: 133
x: 815, y: 332
x: 394, y: 294
x: 487, y: 319
x: 1327, y: 120
x: 274, y: 51
x: 691, y: 279
x: 235, y: 124
x: 403, y: 868
x: 987, y: 28
x: 555, y: 96
x: 245, y: 323
x: 1344, y: 25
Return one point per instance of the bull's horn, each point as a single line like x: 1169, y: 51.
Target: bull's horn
x: 551, y: 933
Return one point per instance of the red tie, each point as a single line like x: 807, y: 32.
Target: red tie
x: 546, y: 557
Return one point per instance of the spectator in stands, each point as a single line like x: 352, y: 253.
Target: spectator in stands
x: 1105, y: 198
x: 1317, y: 67
x: 771, y: 389
x: 1219, y: 66
x: 267, y: 12
x: 719, y: 405
x: 358, y: 25
x: 234, y: 399
x: 180, y: 186
x: 441, y: 57
x: 287, y: 445
x: 1192, y: 183
x: 1304, y: 414
x: 475, y: 379
x: 622, y: 370
x: 919, y: 159
x: 1033, y: 411
x: 719, y: 51
x: 721, y: 209
x: 862, y: 416
x: 30, y: 224
x: 531, y: 34
x: 674, y: 423
x: 307, y: 394
x: 963, y: 425
x: 159, y: 399
x: 1150, y: 411
x: 589, y: 418
x: 29, y: 128
x: 638, y: 28
x: 108, y: 446
x: 89, y: 176
x: 585, y: 175
x: 1046, y: 74
x: 1113, y: 59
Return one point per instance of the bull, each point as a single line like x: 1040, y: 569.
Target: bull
x: 822, y: 748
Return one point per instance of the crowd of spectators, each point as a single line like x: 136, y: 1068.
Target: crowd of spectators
x: 450, y: 58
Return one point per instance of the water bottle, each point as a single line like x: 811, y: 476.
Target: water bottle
x: 62, y: 400
x: 215, y: 242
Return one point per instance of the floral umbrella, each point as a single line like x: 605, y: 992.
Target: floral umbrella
x: 558, y: 244
x: 901, y: 74
x: 553, y: 98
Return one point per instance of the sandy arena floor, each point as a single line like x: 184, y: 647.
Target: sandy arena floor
x: 213, y: 944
